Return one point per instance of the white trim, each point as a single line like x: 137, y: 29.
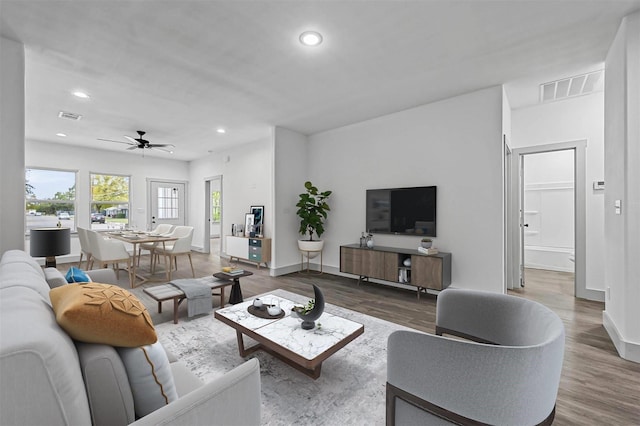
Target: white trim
x: 627, y: 350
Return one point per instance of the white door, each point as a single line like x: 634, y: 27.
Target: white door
x: 168, y: 203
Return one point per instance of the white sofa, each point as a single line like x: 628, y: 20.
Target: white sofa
x: 48, y: 379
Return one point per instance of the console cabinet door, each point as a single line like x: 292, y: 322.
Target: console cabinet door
x: 363, y: 262
x: 351, y: 260
x: 238, y: 247
x: 391, y: 267
x: 426, y: 272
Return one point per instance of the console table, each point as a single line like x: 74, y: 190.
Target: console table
x: 427, y: 272
x: 255, y: 250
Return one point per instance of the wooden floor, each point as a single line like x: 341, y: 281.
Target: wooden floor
x: 597, y: 386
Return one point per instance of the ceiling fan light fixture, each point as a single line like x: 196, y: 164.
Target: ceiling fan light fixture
x: 311, y: 38
x: 81, y: 94
x: 221, y: 130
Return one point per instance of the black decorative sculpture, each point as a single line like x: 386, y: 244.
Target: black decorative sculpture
x: 310, y: 313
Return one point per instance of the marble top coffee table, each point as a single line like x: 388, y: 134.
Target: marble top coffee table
x: 283, y: 338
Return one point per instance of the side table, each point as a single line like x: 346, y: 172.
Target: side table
x: 236, y: 292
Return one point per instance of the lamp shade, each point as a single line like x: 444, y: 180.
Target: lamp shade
x: 50, y: 242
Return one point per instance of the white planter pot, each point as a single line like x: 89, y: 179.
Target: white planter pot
x: 310, y: 248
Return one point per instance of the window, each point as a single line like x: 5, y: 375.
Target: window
x: 215, y: 206
x: 109, y: 201
x: 50, y: 197
x: 168, y: 203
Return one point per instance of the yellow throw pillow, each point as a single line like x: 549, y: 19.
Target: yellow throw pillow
x: 102, y: 313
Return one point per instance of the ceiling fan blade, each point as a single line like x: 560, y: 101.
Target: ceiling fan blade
x: 131, y: 139
x: 132, y: 147
x: 161, y: 145
x: 110, y: 140
x: 162, y: 149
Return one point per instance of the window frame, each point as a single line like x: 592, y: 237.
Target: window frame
x: 74, y: 201
x: 92, y: 202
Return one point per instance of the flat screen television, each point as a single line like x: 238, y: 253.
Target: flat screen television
x: 402, y: 211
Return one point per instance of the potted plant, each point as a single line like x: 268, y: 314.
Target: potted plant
x: 426, y: 242
x: 312, y: 211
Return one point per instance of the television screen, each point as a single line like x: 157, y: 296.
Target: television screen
x: 402, y: 211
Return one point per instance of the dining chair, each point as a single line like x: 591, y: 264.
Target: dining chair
x: 84, y: 246
x: 181, y: 246
x: 107, y: 251
x: 162, y: 229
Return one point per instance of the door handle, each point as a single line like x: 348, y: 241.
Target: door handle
x: 526, y: 225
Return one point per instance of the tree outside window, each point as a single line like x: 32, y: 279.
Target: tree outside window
x: 50, y: 197
x: 109, y: 201
x: 215, y: 206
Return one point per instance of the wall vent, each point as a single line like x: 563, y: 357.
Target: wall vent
x: 572, y: 86
x: 69, y: 115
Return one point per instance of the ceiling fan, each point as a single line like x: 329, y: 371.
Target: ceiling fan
x: 139, y: 143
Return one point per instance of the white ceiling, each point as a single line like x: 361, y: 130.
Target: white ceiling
x: 180, y: 69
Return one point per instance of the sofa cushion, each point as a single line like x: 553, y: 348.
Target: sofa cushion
x: 75, y: 275
x: 150, y: 377
x: 38, y: 365
x: 17, y: 274
x: 54, y: 277
x: 102, y: 313
x: 19, y: 256
x: 108, y: 390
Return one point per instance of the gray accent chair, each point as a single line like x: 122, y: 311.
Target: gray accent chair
x: 505, y: 372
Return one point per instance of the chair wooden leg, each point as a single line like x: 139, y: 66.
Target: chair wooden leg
x: 80, y: 262
x: 139, y: 252
x: 115, y: 266
x: 132, y: 277
x: 193, y: 272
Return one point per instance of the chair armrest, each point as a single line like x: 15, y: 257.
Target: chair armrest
x: 104, y: 276
x: 233, y: 399
x: 488, y: 383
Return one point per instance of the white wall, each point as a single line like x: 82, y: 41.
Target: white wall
x: 86, y: 161
x: 290, y: 174
x: 246, y: 181
x: 569, y: 120
x: 455, y: 144
x: 622, y: 179
x: 12, y: 217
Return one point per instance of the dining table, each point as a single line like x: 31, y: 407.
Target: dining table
x: 134, y: 238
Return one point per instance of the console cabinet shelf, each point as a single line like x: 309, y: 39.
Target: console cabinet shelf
x: 427, y: 272
x: 255, y: 250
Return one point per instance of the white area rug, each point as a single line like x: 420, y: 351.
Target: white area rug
x: 350, y: 390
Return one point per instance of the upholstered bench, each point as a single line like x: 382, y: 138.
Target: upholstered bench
x: 162, y: 293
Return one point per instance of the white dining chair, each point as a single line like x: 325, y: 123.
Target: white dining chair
x: 84, y: 246
x: 162, y: 229
x: 182, y: 246
x: 107, y: 251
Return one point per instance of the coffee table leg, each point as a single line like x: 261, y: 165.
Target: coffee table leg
x: 236, y: 293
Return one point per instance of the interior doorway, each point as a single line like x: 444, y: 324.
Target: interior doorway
x: 213, y: 214
x: 520, y: 214
x: 548, y: 214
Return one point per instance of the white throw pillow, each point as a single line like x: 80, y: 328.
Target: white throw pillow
x: 149, y: 376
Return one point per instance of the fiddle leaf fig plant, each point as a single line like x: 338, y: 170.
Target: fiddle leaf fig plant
x: 312, y: 210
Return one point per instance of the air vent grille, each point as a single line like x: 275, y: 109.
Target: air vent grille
x: 69, y: 115
x: 572, y: 86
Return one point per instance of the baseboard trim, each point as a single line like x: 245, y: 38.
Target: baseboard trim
x: 627, y: 350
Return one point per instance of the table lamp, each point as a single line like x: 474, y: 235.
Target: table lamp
x: 49, y: 243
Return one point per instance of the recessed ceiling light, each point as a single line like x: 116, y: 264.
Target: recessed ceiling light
x: 62, y: 135
x: 221, y: 130
x: 82, y: 95
x: 311, y: 38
